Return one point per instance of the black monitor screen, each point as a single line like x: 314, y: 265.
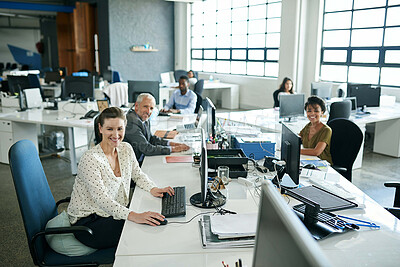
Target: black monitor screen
x: 135, y: 88
x: 291, y: 106
x: 366, y: 94
x: 321, y: 89
x: 281, y: 238
x: 290, y: 152
x: 52, y: 77
x: 211, y: 119
x: 78, y: 87
x: 17, y: 83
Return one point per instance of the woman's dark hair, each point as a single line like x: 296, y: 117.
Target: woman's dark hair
x: 111, y: 113
x: 282, y: 86
x: 314, y: 101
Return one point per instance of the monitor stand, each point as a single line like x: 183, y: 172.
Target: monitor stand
x: 213, y: 200
x: 363, y: 111
x: 285, y: 182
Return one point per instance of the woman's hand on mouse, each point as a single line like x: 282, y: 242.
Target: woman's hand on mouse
x: 148, y: 217
x: 158, y: 192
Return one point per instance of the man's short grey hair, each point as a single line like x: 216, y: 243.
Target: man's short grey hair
x: 142, y: 96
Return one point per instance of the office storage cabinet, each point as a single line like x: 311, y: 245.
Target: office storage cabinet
x: 6, y: 140
x: 11, y: 132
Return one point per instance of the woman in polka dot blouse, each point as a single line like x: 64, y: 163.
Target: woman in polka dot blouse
x: 100, y: 195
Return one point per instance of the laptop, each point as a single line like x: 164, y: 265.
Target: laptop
x: 193, y: 125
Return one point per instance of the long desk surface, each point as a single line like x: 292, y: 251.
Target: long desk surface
x: 24, y: 123
x: 180, y: 244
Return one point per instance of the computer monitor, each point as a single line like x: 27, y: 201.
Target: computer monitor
x: 52, y: 77
x: 211, y: 118
x: 291, y: 106
x: 366, y: 94
x: 78, y: 87
x: 281, y: 238
x: 353, y: 103
x: 205, y: 198
x: 17, y: 83
x: 290, y: 153
x: 321, y: 89
x: 135, y: 88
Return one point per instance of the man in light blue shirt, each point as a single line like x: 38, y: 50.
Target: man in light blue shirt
x: 183, y: 99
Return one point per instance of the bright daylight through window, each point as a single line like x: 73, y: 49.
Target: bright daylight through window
x: 236, y: 36
x: 361, y: 42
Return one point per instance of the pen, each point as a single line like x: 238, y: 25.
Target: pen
x: 223, y: 263
x: 240, y: 262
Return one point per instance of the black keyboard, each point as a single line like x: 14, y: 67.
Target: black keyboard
x: 325, y: 217
x: 175, y: 205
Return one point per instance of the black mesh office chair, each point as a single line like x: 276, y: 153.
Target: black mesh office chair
x: 395, y: 210
x: 199, y: 102
x: 345, y: 143
x: 340, y: 110
x: 276, y: 100
x: 199, y: 87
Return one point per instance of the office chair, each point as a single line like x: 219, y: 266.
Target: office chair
x: 340, y: 110
x: 179, y: 73
x: 199, y: 87
x: 345, y: 143
x: 276, y: 100
x: 395, y: 210
x: 199, y: 102
x: 37, y: 207
x: 116, y: 78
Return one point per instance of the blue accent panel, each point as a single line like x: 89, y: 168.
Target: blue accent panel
x: 26, y: 57
x: 32, y: 6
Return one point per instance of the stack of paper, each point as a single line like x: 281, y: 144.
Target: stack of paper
x: 234, y: 225
x: 211, y: 240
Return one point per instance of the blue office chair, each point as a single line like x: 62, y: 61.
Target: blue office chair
x: 345, y: 143
x: 199, y: 87
x: 179, y: 73
x: 116, y: 78
x: 37, y: 207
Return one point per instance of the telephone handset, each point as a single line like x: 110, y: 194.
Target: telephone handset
x: 90, y: 114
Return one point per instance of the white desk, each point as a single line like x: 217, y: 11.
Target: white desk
x: 23, y: 125
x: 229, y: 93
x: 386, y: 120
x: 180, y: 245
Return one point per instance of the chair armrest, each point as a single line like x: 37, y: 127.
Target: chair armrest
x: 392, y: 184
x: 65, y: 200
x: 53, y: 231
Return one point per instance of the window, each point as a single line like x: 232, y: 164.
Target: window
x: 361, y: 42
x: 236, y: 36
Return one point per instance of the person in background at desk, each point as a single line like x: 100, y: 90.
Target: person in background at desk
x: 192, y: 79
x: 183, y: 99
x: 138, y: 132
x: 316, y: 136
x: 100, y: 194
x: 285, y: 88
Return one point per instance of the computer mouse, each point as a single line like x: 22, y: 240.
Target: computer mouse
x: 162, y: 222
x: 310, y: 166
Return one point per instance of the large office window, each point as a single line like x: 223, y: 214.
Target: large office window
x: 361, y: 42
x: 236, y: 36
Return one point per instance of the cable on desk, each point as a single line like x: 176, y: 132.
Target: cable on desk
x: 202, y: 213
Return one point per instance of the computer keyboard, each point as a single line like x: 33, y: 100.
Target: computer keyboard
x: 175, y: 205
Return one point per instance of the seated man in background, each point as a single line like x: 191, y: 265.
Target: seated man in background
x: 138, y: 132
x: 183, y: 99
